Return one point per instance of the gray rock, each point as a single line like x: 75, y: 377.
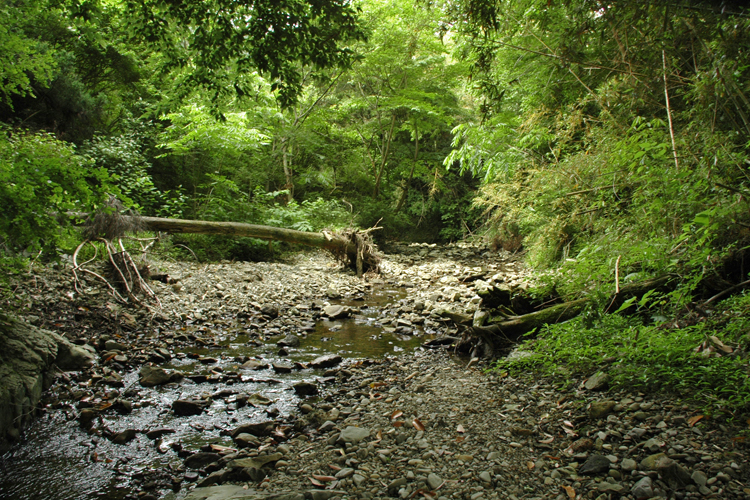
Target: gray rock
x: 125, y: 436
x: 271, y: 310
x: 354, y: 434
x: 616, y: 488
x: 653, y: 445
x: 595, y: 464
x: 254, y: 462
x: 254, y: 364
x: 628, y: 465
x: 344, y: 473
x: 600, y: 409
x: 187, y: 407
x: 245, y: 440
x: 675, y: 476
x: 201, y: 460
x: 396, y: 484
x: 290, y: 340
x: 327, y: 361
x: 655, y: 462
x: 337, y: 312
x: 305, y: 389
x: 73, y: 357
x: 157, y: 433
x: 111, y: 345
x: 434, y: 481
x: 261, y: 429
x: 642, y: 489
x: 597, y: 382
x: 699, y: 478
x: 279, y: 368
x: 151, y: 376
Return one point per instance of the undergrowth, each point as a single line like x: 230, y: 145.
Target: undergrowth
x: 683, y: 360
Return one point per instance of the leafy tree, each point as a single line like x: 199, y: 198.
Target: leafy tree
x: 215, y: 42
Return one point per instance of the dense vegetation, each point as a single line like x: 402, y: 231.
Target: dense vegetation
x: 608, y: 141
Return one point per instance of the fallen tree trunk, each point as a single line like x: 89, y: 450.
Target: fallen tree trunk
x: 351, y: 247
x: 503, y: 334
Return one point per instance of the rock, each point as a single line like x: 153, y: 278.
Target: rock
x: 290, y: 340
x: 675, y: 476
x: 245, y: 440
x: 157, y: 433
x: 254, y: 462
x: 235, y: 492
x: 699, y: 478
x: 595, y: 464
x: 434, y: 481
x: 261, y: 429
x: 254, y: 364
x: 337, y: 311
x: 200, y: 460
x: 654, y: 462
x: 597, y: 382
x: 151, y: 376
x: 305, y: 389
x: 271, y: 310
x: 628, y: 465
x: 323, y: 494
x: 616, y: 488
x: 326, y: 361
x: 74, y: 358
x: 600, y: 409
x: 111, y: 345
x: 653, y: 445
x: 187, y: 407
x: 642, y: 489
x: 125, y: 436
x: 354, y: 434
x: 279, y: 368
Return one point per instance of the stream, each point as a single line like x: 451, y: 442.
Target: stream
x: 58, y: 460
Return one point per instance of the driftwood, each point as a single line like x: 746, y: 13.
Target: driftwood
x: 501, y: 335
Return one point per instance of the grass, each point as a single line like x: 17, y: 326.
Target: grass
x: 678, y: 358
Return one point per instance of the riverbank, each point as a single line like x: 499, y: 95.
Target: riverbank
x: 414, y: 424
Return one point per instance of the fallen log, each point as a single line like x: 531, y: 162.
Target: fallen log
x: 352, y: 247
x: 503, y: 334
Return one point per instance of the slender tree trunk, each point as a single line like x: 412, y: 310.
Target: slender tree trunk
x: 289, y: 186
x: 405, y: 190
x: 387, y: 139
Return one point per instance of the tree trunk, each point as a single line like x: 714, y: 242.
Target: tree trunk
x: 503, y: 334
x: 351, y: 247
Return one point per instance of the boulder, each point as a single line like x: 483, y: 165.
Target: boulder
x: 261, y: 429
x: 201, y: 460
x: 290, y: 340
x: 305, y: 389
x: 595, y: 464
x: 151, y: 376
x: 337, y: 312
x: 187, y: 407
x: 71, y: 357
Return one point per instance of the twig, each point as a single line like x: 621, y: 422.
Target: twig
x: 727, y: 291
x: 669, y: 109
x: 617, y: 275
x: 188, y: 249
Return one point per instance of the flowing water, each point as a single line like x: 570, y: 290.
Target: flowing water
x: 58, y: 460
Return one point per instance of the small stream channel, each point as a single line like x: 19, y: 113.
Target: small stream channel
x: 58, y: 460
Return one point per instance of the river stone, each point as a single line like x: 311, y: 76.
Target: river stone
x: 72, y: 357
x: 245, y: 440
x: 157, y: 433
x: 254, y: 364
x: 434, y: 481
x: 600, y: 409
x: 201, y: 459
x: 643, y: 489
x: 290, y: 340
x: 628, y: 465
x: 354, y: 434
x: 125, y: 436
x: 597, y: 382
x: 699, y: 478
x: 261, y: 429
x: 151, y: 376
x: 254, y: 462
x: 595, y: 464
x: 271, y: 310
x: 279, y: 368
x: 187, y: 407
x: 111, y: 345
x: 654, y: 462
x: 675, y: 476
x: 326, y: 361
x: 305, y: 389
x: 322, y: 494
x: 234, y: 492
x: 616, y: 488
x: 337, y: 312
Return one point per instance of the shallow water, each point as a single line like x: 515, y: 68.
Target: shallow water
x: 57, y: 460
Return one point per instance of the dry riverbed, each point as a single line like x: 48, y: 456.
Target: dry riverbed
x: 232, y: 389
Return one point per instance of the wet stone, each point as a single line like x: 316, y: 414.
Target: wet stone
x: 200, y: 460
x: 595, y: 464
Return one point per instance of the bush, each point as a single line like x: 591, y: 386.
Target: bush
x: 42, y: 178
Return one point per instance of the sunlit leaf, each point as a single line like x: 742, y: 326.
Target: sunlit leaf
x: 570, y: 492
x: 460, y: 428
x: 694, y: 420
x: 417, y: 424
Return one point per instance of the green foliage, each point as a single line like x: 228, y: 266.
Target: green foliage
x: 22, y: 58
x: 123, y: 158
x: 214, y: 43
x: 640, y: 355
x: 41, y: 179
